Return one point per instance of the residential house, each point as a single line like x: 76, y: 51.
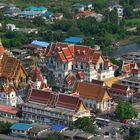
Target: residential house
x: 93, y: 95
x: 48, y: 15
x: 29, y: 14
x: 113, y: 5
x: 79, y: 7
x: 37, y: 47
x: 40, y: 9
x: 66, y: 60
x: 10, y: 27
x: 8, y: 112
x: 84, y: 14
x: 122, y: 92
x: 20, y: 129
x: 47, y: 107
x: 8, y: 94
x: 58, y: 16
x: 11, y: 69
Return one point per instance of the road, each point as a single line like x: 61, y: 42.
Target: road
x: 11, y: 138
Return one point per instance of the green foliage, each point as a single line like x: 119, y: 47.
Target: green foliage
x: 125, y: 110
x: 39, y: 21
x: 134, y: 133
x: 14, y: 39
x: 4, y: 127
x: 86, y: 124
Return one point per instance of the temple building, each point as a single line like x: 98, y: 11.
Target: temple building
x: 12, y: 69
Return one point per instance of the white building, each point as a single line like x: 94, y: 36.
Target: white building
x: 8, y: 94
x: 46, y: 107
x: 119, y: 8
x: 94, y: 96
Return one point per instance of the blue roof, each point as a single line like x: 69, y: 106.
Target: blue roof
x: 40, y: 43
x: 29, y: 13
x: 48, y: 14
x: 33, y: 8
x: 21, y: 126
x: 74, y: 39
x: 58, y: 127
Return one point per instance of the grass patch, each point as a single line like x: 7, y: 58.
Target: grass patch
x: 132, y: 22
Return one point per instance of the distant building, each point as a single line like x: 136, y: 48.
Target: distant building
x: 121, y: 92
x: 79, y: 7
x: 48, y: 15
x: 113, y: 5
x: 10, y: 27
x: 58, y: 16
x: 40, y: 9
x: 74, y: 40
x: 84, y: 14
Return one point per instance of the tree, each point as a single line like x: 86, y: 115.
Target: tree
x: 86, y: 124
x: 134, y: 133
x: 128, y: 12
x: 113, y: 16
x: 39, y: 21
x: 138, y: 30
x: 125, y: 110
x: 4, y: 127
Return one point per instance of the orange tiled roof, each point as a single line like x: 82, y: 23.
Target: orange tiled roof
x: 37, y: 75
x: 2, y: 50
x: 10, y: 67
x: 92, y: 91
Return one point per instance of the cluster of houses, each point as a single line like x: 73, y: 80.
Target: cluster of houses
x: 81, y: 10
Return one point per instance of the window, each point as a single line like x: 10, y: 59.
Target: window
x: 72, y: 67
x: 76, y: 66
x: 81, y: 66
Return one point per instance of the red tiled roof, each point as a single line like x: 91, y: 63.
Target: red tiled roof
x: 68, y: 102
x: 81, y: 74
x: 70, y: 79
x: 71, y: 52
x: 120, y: 88
x: 8, y: 109
x: 98, y: 82
x: 40, y: 96
x: 37, y: 75
x: 135, y: 71
x: 137, y: 95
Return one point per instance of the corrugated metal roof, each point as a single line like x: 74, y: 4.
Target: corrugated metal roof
x: 40, y: 43
x: 74, y: 39
x: 21, y: 126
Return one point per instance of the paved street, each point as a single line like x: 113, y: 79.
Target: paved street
x: 11, y: 138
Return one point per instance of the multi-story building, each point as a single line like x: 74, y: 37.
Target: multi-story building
x: 67, y: 61
x: 46, y: 107
x: 94, y: 96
